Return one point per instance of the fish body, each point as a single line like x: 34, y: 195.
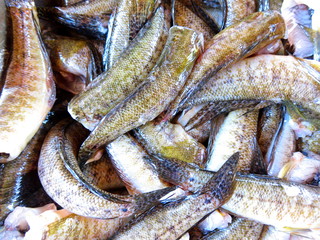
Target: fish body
x: 29, y: 91
x: 281, y: 78
x: 252, y: 33
x: 237, y: 10
x: 151, y: 98
x: 111, y: 87
x: 128, y: 18
x: 183, y: 214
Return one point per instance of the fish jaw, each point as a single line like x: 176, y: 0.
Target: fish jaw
x: 29, y: 90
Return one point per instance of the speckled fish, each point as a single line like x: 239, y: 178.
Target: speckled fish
x: 126, y: 21
x: 183, y: 16
x: 129, y: 158
x: 269, y: 121
x: 237, y: 10
x: 236, y: 134
x: 131, y: 69
x: 151, y: 98
x: 240, y: 228
x: 87, y: 18
x: 171, y: 141
x: 61, y: 144
x: 265, y: 77
x: 172, y: 220
x: 253, y: 33
x: 74, y: 62
x: 29, y: 91
x: 260, y: 198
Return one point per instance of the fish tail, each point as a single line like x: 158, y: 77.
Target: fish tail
x: 147, y: 200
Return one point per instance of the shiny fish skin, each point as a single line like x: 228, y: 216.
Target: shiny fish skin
x: 265, y: 77
x: 128, y: 18
x: 237, y: 10
x: 172, y: 220
x: 252, y: 33
x: 129, y: 158
x: 3, y: 35
x: 113, y: 86
x: 240, y: 228
x: 68, y: 192
x: 151, y: 98
x: 170, y: 141
x: 29, y: 91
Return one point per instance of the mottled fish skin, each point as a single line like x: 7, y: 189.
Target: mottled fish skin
x: 269, y: 121
x: 271, y: 233
x: 29, y: 91
x: 169, y: 140
x: 185, y: 213
x: 87, y: 18
x: 236, y: 134
x: 76, y: 227
x: 76, y: 62
x: 129, y: 158
x: 183, y: 16
x: 240, y: 228
x: 68, y: 192
x: 252, y: 33
x: 131, y: 69
x: 126, y: 21
x: 265, y: 77
x: 152, y: 97
x: 237, y: 10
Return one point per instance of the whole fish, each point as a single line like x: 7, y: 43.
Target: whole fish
x: 62, y: 143
x: 126, y: 21
x: 129, y: 158
x: 252, y: 33
x: 29, y: 91
x: 170, y: 141
x: 240, y: 228
x: 131, y: 69
x: 75, y: 61
x: 237, y: 10
x: 281, y: 78
x: 87, y: 18
x: 264, y: 199
x: 172, y: 220
x: 152, y: 97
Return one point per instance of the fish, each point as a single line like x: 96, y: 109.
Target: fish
x: 76, y: 62
x: 271, y: 233
x: 111, y: 87
x: 170, y: 141
x: 3, y: 34
x: 127, y: 19
x: 237, y: 10
x: 29, y: 90
x: 311, y: 143
x: 283, y: 79
x: 252, y: 33
x: 151, y: 98
x: 128, y: 157
x: 90, y: 19
x: 240, y: 228
x: 61, y: 144
x: 184, y: 213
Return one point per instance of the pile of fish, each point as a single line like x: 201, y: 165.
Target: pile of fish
x: 160, y: 119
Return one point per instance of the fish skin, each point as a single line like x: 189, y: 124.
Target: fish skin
x: 152, y: 97
x: 170, y: 140
x: 29, y: 91
x: 281, y: 78
x: 3, y: 35
x: 113, y: 86
x: 240, y: 228
x: 126, y: 21
x: 185, y: 213
x: 270, y: 118
x: 252, y: 33
x: 237, y: 10
x: 236, y: 134
x: 129, y: 158
x: 68, y: 192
